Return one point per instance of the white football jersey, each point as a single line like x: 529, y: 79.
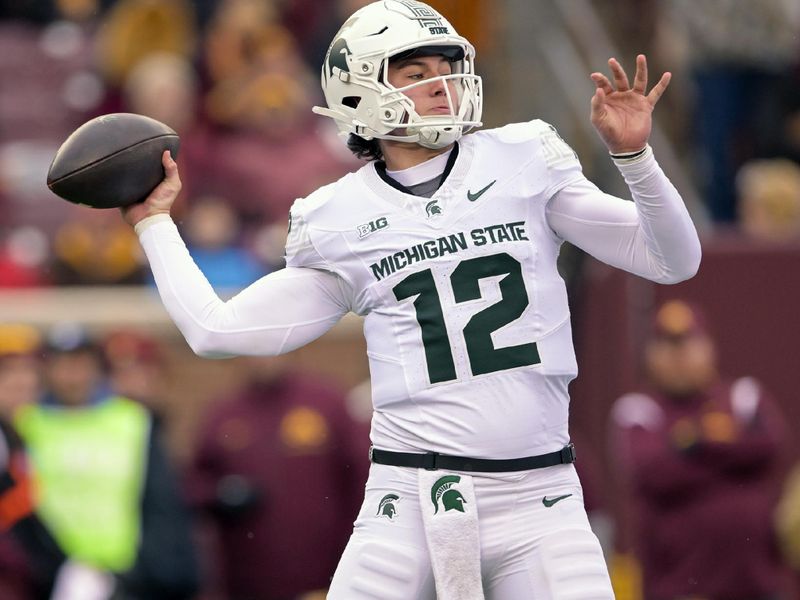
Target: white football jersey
x: 466, y: 316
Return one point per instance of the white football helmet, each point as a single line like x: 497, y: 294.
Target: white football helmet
x: 354, y: 75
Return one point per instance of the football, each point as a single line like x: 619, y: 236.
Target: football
x: 112, y: 160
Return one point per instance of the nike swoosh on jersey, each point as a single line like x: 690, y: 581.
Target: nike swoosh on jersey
x: 472, y: 197
x: 548, y: 502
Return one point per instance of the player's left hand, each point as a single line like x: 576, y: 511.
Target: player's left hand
x: 622, y: 115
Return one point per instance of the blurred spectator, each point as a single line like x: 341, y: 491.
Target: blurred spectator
x: 698, y: 454
x: 19, y: 375
x: 137, y: 369
x: 787, y: 519
x: 213, y: 236
x: 105, y: 488
x: 316, y: 23
x: 134, y: 29
x: 240, y: 35
x: 29, y: 557
x: 92, y: 247
x: 39, y: 108
x: 779, y: 120
x: 769, y: 199
x: 165, y: 86
x: 279, y: 470
x: 24, y: 251
x: 738, y: 52
x: 265, y: 148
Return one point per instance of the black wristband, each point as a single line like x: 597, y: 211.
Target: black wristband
x: 629, y: 155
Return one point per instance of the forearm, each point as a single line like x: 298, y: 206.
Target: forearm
x: 669, y: 234
x: 652, y: 237
x: 276, y: 314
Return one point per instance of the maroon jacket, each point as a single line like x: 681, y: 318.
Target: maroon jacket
x: 700, y: 473
x: 281, y: 470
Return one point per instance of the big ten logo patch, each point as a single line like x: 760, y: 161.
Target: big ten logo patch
x: 371, y: 227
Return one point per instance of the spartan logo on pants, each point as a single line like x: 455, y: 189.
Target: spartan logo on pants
x: 387, y: 508
x: 444, y: 491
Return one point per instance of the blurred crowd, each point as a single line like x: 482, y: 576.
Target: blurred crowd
x: 237, y: 78
x: 262, y: 502
x: 93, y: 505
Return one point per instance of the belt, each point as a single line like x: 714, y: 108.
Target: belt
x: 433, y: 461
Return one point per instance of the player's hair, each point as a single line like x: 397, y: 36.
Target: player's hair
x: 366, y: 149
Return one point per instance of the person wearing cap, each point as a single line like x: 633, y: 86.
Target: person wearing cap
x: 105, y: 488
x: 697, y: 453
x: 447, y: 243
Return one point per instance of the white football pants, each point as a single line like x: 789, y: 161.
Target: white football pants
x: 535, y: 539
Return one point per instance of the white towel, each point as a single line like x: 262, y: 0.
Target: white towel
x: 450, y: 519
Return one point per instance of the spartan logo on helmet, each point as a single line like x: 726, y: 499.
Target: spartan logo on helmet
x: 337, y: 56
x: 433, y: 209
x: 450, y: 497
x: 387, y: 508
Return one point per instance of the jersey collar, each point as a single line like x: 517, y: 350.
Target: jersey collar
x: 380, y: 168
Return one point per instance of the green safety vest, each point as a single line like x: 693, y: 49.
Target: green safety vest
x: 89, y: 469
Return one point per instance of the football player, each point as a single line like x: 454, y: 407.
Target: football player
x: 446, y: 242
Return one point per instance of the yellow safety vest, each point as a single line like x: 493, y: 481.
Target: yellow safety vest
x: 89, y: 469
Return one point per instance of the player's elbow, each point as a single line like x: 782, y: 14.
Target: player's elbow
x: 206, y: 344
x: 205, y: 350
x: 220, y: 344
x: 684, y: 269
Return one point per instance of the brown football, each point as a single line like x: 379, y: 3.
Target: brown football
x: 113, y: 160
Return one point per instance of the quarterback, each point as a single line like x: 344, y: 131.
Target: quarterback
x: 446, y: 242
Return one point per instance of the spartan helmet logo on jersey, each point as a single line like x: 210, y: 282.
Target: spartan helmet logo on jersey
x: 433, y: 209
x: 354, y: 75
x: 444, y: 492
x: 387, y: 508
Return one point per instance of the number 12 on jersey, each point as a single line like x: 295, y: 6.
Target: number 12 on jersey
x: 465, y: 281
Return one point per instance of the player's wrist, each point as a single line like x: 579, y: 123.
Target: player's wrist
x: 623, y: 154
x: 150, y: 220
x: 632, y: 158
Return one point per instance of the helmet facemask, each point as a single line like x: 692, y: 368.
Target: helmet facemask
x: 355, y: 76
x: 462, y: 90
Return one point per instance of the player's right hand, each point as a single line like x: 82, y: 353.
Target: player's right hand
x: 161, y: 198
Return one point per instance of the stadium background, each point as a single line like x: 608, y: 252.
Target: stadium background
x: 250, y: 70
